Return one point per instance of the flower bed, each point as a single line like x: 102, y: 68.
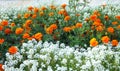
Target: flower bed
x: 76, y: 25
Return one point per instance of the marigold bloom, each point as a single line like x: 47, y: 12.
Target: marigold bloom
x: 28, y: 22
x: 67, y: 29
x: 49, y: 30
x: 25, y: 36
x: 105, y: 39
x: 93, y: 17
x: 114, y: 42
x: 19, y: 31
x: 2, y: 41
x: 34, y: 16
x: 93, y: 42
x: 1, y: 28
x: 67, y: 18
x: 78, y: 25
x: 114, y: 23
x: 36, y: 10
x: 63, y: 12
x: 38, y: 36
x: 12, y: 50
x: 12, y: 24
x: 110, y: 29
x: 7, y: 31
x: 30, y: 8
x: 1, y: 69
x: 53, y: 26
x: 118, y: 17
x: 4, y: 23
x: 26, y: 15
x: 100, y: 28
x: 63, y: 5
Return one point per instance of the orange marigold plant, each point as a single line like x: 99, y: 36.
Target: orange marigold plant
x: 12, y: 50
x: 38, y: 36
x: 63, y: 5
x: 67, y: 18
x: 93, y: 42
x: 25, y: 36
x: 4, y: 23
x: 114, y: 42
x: 110, y: 29
x: 1, y: 40
x: 7, y: 31
x: 67, y: 29
x: 105, y: 39
x: 19, y: 31
x: 78, y: 25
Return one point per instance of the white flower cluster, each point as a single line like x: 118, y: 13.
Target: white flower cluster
x: 39, y: 56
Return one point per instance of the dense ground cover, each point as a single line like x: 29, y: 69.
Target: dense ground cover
x: 75, y: 25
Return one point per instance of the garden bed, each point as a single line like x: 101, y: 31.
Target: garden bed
x: 67, y: 37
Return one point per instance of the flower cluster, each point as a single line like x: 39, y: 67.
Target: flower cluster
x: 40, y: 56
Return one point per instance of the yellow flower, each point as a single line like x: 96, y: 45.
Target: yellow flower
x: 93, y: 42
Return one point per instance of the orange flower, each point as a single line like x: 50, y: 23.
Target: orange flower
x: 63, y: 5
x: 43, y: 8
x: 12, y: 50
x: 18, y: 31
x: 114, y: 23
x: 114, y: 42
x: 7, y: 31
x: 30, y: 8
x: 105, y: 39
x: 53, y: 26
x: 93, y: 42
x: 51, y: 14
x: 67, y: 29
x: 36, y: 10
x: 67, y: 18
x: 97, y: 24
x: 41, y: 13
x: 1, y: 28
x: 4, y: 23
x: 49, y: 30
x: 78, y: 25
x: 110, y: 29
x: 1, y: 69
x: 93, y: 17
x: 28, y: 22
x: 99, y: 28
x: 12, y: 24
x: 2, y: 41
x: 118, y: 17
x: 63, y: 12
x: 38, y: 36
x: 26, y: 15
x: 34, y: 16
x: 26, y: 35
